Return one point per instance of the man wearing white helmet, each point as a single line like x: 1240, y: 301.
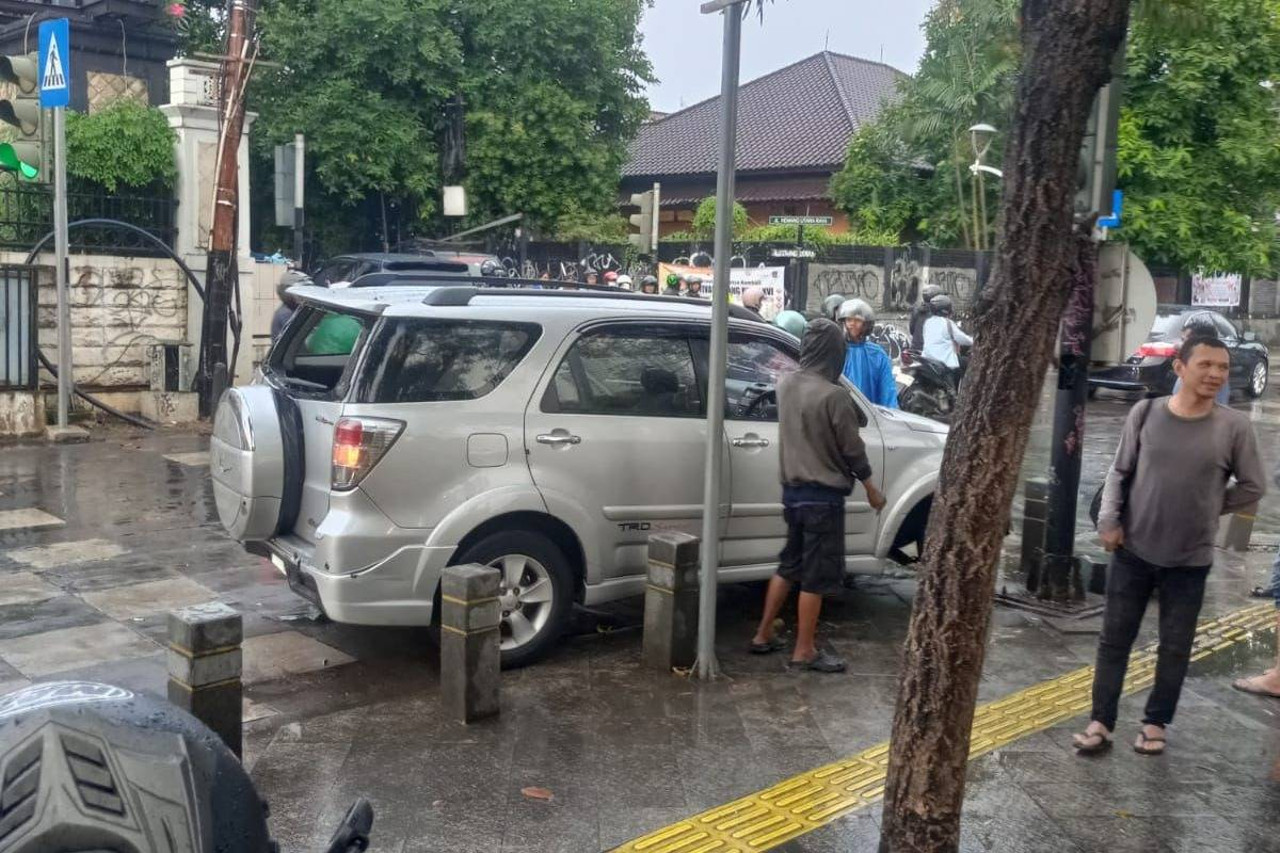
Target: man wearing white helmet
x: 752, y: 299
x: 866, y: 365
x: 920, y: 313
x: 624, y: 281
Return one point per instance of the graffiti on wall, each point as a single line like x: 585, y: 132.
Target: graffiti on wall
x: 852, y: 281
x: 118, y: 308
x: 903, y: 283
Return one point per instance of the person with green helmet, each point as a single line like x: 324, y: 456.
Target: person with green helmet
x: 674, y: 283
x: 792, y: 322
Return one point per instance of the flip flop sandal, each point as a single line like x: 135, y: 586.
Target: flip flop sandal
x: 1242, y: 685
x: 777, y: 644
x: 1143, y: 749
x: 1103, y: 745
x: 1263, y: 592
x: 821, y: 662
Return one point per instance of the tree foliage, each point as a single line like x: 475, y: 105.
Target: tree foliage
x: 1200, y: 141
x: 125, y: 145
x: 704, y: 219
x: 552, y: 94
x: 1199, y: 151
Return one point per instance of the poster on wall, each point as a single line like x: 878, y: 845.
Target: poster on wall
x: 1219, y: 290
x: 769, y: 279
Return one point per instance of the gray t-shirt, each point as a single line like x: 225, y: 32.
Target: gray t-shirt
x: 1169, y: 485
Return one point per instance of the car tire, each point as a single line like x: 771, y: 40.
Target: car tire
x: 544, y: 572
x: 1258, y: 379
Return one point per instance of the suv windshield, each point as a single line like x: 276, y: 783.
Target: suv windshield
x: 410, y: 360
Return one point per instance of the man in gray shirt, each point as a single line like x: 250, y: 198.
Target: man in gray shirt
x: 1165, y: 492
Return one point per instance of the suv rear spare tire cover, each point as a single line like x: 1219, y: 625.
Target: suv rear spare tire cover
x: 246, y: 460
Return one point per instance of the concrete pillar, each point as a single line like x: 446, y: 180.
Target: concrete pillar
x: 205, y: 665
x: 671, y: 602
x: 193, y: 114
x: 1035, y: 512
x: 470, y: 666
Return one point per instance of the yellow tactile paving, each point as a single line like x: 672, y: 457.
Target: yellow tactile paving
x: 801, y: 804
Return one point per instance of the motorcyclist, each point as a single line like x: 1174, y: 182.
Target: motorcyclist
x: 693, y: 287
x: 752, y: 299
x: 792, y: 322
x: 831, y: 307
x: 942, y: 337
x: 624, y: 282
x: 649, y: 285
x: 675, y: 285
x: 866, y: 364
x: 287, y: 303
x: 610, y: 279
x: 920, y: 312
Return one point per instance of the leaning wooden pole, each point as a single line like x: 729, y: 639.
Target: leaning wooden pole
x: 1068, y: 47
x: 220, y: 271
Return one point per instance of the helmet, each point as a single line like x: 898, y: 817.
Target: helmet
x: 942, y: 305
x: 753, y: 297
x: 1200, y: 323
x: 611, y: 276
x: 648, y: 282
x: 928, y: 292
x: 831, y: 305
x: 674, y: 280
x: 856, y: 308
x: 290, y: 279
x: 791, y: 321
x: 624, y: 280
x: 695, y: 279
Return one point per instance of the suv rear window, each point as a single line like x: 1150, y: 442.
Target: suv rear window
x: 315, y: 354
x: 411, y: 360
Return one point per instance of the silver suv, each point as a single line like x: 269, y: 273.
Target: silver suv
x: 396, y: 431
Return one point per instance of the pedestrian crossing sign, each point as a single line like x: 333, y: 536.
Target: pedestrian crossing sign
x: 55, y: 63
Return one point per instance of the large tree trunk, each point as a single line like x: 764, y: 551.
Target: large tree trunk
x: 1068, y: 47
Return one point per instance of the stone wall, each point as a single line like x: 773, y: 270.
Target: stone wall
x: 118, y: 306
x: 893, y: 286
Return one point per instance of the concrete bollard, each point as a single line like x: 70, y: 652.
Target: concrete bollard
x: 671, y: 602
x: 470, y: 664
x: 1234, y: 534
x: 205, y: 665
x: 1035, y: 513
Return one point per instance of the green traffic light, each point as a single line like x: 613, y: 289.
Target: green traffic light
x: 11, y: 162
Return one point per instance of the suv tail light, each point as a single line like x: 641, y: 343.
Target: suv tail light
x: 1158, y: 349
x: 358, y: 444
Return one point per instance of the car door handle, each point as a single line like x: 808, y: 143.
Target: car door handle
x: 559, y: 439
x: 751, y: 442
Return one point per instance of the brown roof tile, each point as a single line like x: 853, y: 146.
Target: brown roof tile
x: 797, y: 117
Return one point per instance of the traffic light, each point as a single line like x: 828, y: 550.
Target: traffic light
x: 24, y: 155
x: 644, y: 220
x: 1096, y: 173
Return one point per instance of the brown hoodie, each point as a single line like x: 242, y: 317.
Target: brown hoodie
x: 818, y: 436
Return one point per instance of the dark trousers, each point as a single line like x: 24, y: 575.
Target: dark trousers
x: 1130, y: 583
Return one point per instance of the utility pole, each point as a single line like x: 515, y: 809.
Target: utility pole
x: 221, y: 272
x: 299, y: 188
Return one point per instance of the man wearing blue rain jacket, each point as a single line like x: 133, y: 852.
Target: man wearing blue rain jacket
x: 866, y: 364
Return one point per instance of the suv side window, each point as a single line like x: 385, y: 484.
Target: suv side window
x: 338, y: 269
x: 626, y: 372
x: 411, y: 360
x: 754, y: 367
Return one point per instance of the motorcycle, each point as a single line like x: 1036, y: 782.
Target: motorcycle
x: 86, y: 766
x: 927, y: 387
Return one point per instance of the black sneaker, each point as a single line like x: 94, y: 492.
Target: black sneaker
x: 823, y: 661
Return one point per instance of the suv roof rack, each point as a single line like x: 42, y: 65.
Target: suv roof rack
x: 453, y: 295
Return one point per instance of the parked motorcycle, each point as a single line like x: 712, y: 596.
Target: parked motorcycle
x: 87, y: 766
x: 927, y: 388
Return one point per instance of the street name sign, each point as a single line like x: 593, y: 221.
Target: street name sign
x: 800, y: 220
x: 55, y: 63
x: 793, y: 253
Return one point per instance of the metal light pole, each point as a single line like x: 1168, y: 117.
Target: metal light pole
x: 299, y: 187
x: 60, y: 242
x: 706, y: 666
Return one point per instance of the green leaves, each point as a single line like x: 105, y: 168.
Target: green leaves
x: 126, y: 144
x: 552, y: 94
x: 704, y: 219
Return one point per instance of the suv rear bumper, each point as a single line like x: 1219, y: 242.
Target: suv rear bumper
x: 381, y: 594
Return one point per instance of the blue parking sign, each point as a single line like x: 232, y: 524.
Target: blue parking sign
x: 55, y: 63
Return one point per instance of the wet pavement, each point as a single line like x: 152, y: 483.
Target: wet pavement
x: 99, y: 541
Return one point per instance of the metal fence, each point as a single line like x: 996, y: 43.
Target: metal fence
x: 17, y: 327
x: 26, y: 215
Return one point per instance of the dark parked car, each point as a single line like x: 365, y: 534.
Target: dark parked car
x: 351, y: 268
x: 1150, y: 369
